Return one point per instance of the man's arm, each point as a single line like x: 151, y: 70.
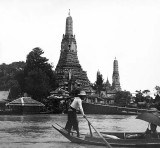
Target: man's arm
x: 81, y: 108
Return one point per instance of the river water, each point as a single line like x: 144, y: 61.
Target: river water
x: 36, y: 131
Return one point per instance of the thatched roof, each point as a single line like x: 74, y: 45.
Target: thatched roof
x: 25, y: 101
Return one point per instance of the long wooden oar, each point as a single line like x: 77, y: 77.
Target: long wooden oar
x: 107, y: 144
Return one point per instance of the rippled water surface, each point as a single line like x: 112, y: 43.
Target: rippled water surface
x: 35, y: 131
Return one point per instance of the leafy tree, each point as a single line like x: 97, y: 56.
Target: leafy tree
x: 39, y: 76
x: 15, y: 89
x: 145, y: 92
x: 123, y: 98
x: 8, y: 75
x: 20, y: 77
x: 37, y: 84
x: 157, y: 98
x: 4, y: 77
x: 146, y: 96
x: 3, y: 68
x: 99, y: 82
x: 157, y: 88
x: 139, y: 96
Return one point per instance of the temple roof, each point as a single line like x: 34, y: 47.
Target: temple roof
x: 25, y: 101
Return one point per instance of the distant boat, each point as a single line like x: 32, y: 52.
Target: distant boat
x: 97, y: 108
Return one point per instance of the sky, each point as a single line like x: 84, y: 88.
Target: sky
x: 104, y: 29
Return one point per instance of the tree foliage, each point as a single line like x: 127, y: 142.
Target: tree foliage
x: 15, y: 89
x: 157, y: 88
x: 99, y: 82
x: 37, y: 83
x: 9, y: 79
x: 123, y: 98
x: 145, y: 91
x: 139, y: 96
x: 39, y: 76
x: 35, y: 77
x: 142, y: 96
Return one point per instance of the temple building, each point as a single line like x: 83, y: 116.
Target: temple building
x: 111, y: 90
x: 115, y: 80
x: 115, y: 76
x: 69, y: 71
x: 107, y: 85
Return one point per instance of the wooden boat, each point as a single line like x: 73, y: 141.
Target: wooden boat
x: 115, y: 139
x: 95, y: 108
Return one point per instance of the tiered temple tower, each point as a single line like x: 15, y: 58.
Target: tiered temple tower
x: 115, y: 77
x: 108, y: 85
x: 68, y: 69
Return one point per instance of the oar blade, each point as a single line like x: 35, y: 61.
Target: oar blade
x: 107, y: 144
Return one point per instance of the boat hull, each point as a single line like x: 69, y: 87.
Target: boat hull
x: 90, y: 108
x: 121, y: 142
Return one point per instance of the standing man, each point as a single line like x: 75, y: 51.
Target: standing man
x: 72, y: 115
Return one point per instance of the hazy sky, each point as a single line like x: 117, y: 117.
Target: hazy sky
x: 126, y: 29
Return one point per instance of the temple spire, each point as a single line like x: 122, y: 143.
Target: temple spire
x: 69, y: 13
x: 115, y: 76
x: 115, y: 66
x: 69, y: 71
x: 69, y: 25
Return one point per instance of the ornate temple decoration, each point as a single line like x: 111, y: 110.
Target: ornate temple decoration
x: 69, y: 71
x: 115, y: 76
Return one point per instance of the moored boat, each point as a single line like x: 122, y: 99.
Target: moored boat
x: 97, y: 108
x: 115, y: 139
